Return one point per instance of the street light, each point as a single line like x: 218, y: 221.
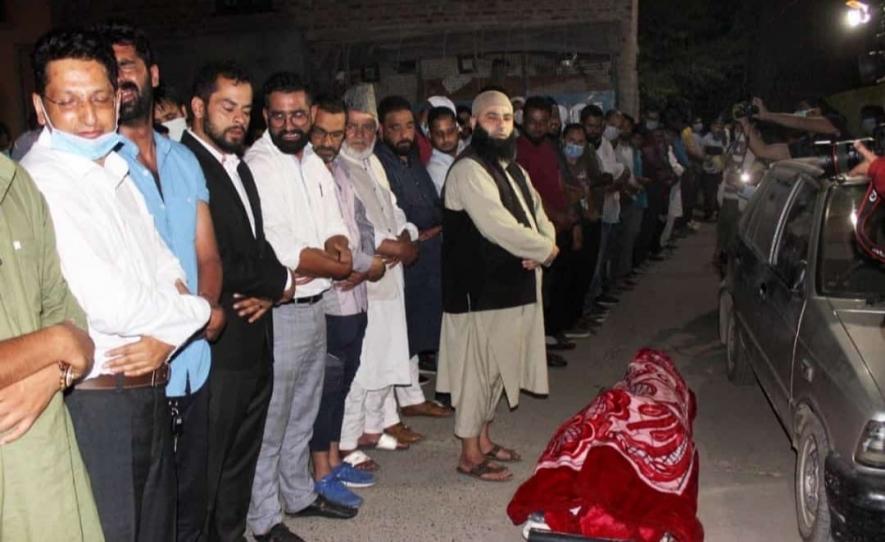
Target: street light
x: 858, y: 13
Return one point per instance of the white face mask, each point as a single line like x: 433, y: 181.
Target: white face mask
x: 176, y: 127
x: 517, y: 117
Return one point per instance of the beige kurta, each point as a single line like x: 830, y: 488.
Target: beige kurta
x: 485, y: 353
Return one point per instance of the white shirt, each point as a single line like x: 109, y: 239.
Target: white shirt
x: 115, y: 262
x: 230, y: 162
x: 608, y: 161
x: 438, y: 167
x: 298, y: 203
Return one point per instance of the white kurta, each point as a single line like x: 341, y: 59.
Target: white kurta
x: 385, y: 356
x: 485, y: 353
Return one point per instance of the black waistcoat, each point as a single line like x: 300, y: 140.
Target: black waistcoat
x: 478, y: 275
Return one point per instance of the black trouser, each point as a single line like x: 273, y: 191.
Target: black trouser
x: 125, y: 438
x: 644, y: 240
x: 584, y: 264
x: 238, y: 402
x: 558, y: 287
x: 191, y: 456
x: 344, y: 344
x: 689, y: 187
x: 711, y: 191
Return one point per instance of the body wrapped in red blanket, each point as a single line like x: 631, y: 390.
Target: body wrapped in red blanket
x: 624, y: 467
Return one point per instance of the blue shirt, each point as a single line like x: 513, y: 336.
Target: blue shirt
x: 175, y: 216
x: 641, y: 199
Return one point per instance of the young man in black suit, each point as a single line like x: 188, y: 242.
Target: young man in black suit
x: 240, y: 382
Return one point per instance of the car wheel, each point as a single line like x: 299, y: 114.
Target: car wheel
x: 738, y: 368
x: 812, y: 510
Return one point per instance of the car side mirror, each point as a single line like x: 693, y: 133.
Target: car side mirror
x: 798, y: 286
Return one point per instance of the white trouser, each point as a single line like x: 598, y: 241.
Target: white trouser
x: 364, y: 412
x: 411, y: 394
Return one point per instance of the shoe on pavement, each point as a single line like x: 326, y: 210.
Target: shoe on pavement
x: 278, y: 533
x: 559, y: 342
x: 323, y: 507
x: 403, y: 433
x: 334, y: 490
x: 555, y: 360
x: 427, y: 408
x: 445, y: 399
x: 607, y: 300
x: 353, y: 477
x: 580, y: 331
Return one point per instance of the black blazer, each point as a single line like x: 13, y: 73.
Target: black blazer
x: 248, y: 262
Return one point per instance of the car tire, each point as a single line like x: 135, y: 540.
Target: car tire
x: 737, y: 367
x: 812, y: 509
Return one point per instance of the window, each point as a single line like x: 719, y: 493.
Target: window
x: 762, y: 226
x: 792, y: 249
x: 844, y: 269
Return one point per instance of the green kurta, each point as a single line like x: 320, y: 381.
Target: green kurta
x: 44, y: 489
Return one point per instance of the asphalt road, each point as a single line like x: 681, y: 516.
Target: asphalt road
x: 746, y: 469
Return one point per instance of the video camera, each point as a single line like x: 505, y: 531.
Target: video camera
x: 840, y: 157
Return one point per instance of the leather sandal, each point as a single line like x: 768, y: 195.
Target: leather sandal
x: 403, y: 433
x: 512, y: 455
x: 482, y: 470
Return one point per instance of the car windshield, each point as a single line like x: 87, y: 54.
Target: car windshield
x: 845, y: 270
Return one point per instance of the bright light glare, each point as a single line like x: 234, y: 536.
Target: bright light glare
x: 745, y: 177
x: 858, y: 14
x: 853, y: 218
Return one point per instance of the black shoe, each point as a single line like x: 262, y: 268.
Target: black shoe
x: 555, y: 360
x: 427, y: 363
x: 325, y: 508
x: 445, y: 399
x: 278, y: 533
x: 560, y: 343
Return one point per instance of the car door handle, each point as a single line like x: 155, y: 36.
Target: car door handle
x: 763, y: 290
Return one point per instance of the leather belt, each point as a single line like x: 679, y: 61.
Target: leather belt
x: 158, y: 377
x: 308, y: 300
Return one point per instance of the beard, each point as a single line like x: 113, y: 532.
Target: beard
x: 288, y: 146
x: 401, y: 148
x: 493, y: 148
x: 327, y: 154
x: 227, y: 139
x: 141, y: 106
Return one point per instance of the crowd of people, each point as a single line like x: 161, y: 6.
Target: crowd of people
x: 202, y: 337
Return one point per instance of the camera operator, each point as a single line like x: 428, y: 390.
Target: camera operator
x: 813, y: 123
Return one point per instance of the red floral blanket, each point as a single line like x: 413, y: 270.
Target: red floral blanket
x: 625, y: 466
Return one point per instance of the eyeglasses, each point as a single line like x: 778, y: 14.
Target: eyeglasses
x: 366, y: 128
x: 279, y: 117
x: 70, y: 102
x: 335, y: 136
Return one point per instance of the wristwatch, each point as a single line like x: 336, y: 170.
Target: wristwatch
x: 65, y: 377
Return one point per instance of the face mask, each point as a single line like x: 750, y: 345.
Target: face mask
x: 573, y: 151
x: 176, y: 128
x: 425, y: 129
x: 517, y: 117
x: 651, y: 124
x: 91, y: 149
x: 611, y: 133
x: 867, y: 126
x: 698, y: 128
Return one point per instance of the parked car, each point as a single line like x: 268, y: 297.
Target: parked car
x: 802, y: 311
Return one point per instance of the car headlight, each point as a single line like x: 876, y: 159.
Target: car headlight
x: 871, y: 448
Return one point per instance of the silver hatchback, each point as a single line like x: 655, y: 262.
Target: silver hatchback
x: 802, y: 310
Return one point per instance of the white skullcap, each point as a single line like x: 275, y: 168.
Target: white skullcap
x: 490, y: 98
x: 442, y: 101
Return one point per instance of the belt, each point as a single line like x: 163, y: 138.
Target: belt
x: 158, y: 377
x: 308, y: 300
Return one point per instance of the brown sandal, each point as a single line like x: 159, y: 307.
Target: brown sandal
x: 483, y: 469
x: 512, y: 455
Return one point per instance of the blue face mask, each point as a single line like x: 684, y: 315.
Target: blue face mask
x: 573, y: 151
x: 91, y: 149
